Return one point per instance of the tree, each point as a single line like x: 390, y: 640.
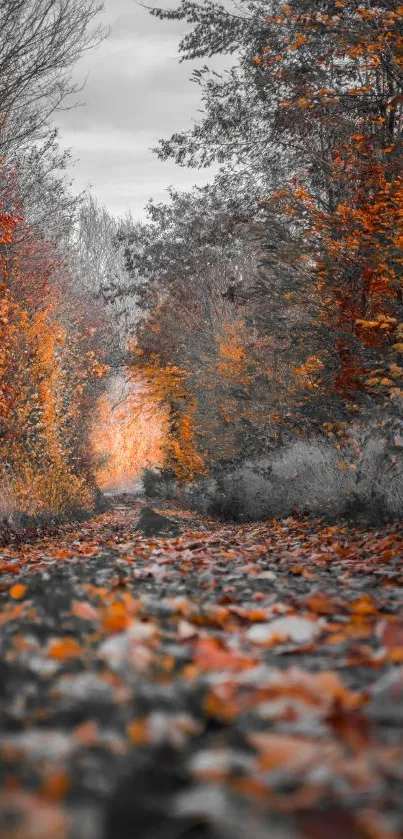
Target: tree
x: 40, y: 41
x: 221, y: 375
x: 96, y: 245
x: 51, y: 370
x: 313, y: 107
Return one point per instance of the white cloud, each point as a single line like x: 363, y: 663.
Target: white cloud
x: 136, y: 93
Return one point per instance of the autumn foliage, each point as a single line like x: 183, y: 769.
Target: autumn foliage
x: 49, y: 373
x: 128, y: 433
x: 351, y: 211
x: 277, y: 299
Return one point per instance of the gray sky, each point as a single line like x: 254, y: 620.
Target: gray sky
x: 136, y: 93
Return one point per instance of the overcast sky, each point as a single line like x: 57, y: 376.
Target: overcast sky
x: 136, y: 93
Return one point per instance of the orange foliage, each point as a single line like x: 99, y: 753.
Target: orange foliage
x: 166, y: 387
x: 128, y: 434
x: 232, y: 353
x: 363, y: 238
x: 180, y: 449
x: 47, y: 369
x: 357, y: 244
x: 343, y: 216
x: 357, y: 250
x: 63, y: 649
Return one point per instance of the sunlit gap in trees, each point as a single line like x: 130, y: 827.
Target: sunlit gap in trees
x: 127, y: 435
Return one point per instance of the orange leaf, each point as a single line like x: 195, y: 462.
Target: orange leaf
x: 391, y: 636
x: 320, y: 604
x: 85, y: 611
x: 363, y: 606
x: 137, y: 732
x: 283, y: 751
x: 18, y: 591
x: 330, y: 685
x: 64, y: 648
x: 10, y: 614
x: 13, y: 568
x: 211, y: 654
x: 117, y: 618
x: 87, y: 733
x: 56, y: 786
x: 220, y: 707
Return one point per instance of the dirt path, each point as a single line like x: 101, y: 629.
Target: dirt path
x: 231, y: 682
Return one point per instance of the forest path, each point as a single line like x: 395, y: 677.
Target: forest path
x: 235, y: 681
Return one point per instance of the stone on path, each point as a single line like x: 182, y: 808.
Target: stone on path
x: 152, y: 523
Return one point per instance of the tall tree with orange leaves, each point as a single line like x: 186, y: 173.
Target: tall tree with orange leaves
x: 49, y: 374
x: 313, y: 107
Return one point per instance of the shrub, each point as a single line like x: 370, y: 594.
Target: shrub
x: 247, y: 493
x: 313, y: 477
x: 378, y: 454
x: 239, y: 493
x: 34, y: 503
x: 57, y: 491
x: 159, y: 483
x: 307, y: 477
x: 200, y: 495
x: 7, y: 501
x: 360, y: 477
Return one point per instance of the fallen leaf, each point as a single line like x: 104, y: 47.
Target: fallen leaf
x: 364, y: 605
x: 212, y: 654
x: 18, y: 591
x: 62, y: 649
x: 137, y: 732
x: 56, y: 785
x: 117, y: 618
x: 84, y: 610
x: 87, y: 733
x: 285, y: 752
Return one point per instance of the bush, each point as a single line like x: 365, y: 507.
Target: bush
x: 247, y: 493
x: 7, y: 501
x: 159, y: 483
x: 363, y: 478
x: 200, y: 495
x: 378, y: 451
x: 239, y: 493
x: 34, y: 504
x: 313, y: 477
x: 305, y: 477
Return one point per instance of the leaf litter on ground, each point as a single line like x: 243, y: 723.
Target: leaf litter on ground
x: 228, y: 681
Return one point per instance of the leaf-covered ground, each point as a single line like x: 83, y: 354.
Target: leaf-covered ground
x: 234, y: 681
